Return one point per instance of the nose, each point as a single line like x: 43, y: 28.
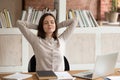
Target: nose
x: 49, y: 23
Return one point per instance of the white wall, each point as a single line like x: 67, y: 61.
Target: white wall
x: 86, y: 43
x: 13, y: 56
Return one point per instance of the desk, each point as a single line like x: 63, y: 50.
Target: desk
x: 34, y: 77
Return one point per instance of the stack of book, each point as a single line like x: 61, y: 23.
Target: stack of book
x: 85, y: 18
x: 5, y: 19
x: 33, y: 16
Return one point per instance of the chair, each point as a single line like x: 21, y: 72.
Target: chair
x: 32, y: 64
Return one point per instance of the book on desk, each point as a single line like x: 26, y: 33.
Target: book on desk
x: 46, y: 75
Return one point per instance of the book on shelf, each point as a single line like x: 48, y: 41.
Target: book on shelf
x: 93, y: 19
x: 85, y: 18
x: 70, y: 14
x: 24, y: 15
x: 0, y: 25
x: 8, y: 18
x: 2, y: 20
x: 80, y: 22
x: 90, y: 18
x: 46, y: 75
x: 82, y: 18
x: 5, y: 19
x: 33, y: 16
x: 38, y: 17
x: 29, y: 14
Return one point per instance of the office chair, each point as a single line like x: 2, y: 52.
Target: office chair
x: 32, y: 64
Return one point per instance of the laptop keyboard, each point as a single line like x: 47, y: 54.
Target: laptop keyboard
x: 88, y: 75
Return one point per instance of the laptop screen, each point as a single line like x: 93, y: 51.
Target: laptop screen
x: 105, y: 64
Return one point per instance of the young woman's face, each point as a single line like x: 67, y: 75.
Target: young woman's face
x: 49, y: 24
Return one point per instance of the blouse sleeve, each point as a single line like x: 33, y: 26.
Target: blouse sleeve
x: 31, y: 26
x: 30, y: 36
x: 70, y: 24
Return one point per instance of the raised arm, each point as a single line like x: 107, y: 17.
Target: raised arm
x: 71, y: 25
x: 31, y: 26
x: 31, y: 37
x: 65, y: 23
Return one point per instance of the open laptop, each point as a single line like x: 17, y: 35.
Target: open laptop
x: 105, y: 65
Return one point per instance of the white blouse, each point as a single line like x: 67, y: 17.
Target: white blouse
x: 49, y: 52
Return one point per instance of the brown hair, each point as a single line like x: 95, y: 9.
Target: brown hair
x: 41, y: 33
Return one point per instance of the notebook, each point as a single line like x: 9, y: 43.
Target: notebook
x: 104, y: 66
x: 46, y: 75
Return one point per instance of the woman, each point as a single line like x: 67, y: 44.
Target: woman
x: 47, y: 45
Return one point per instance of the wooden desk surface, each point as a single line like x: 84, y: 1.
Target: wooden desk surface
x: 34, y: 77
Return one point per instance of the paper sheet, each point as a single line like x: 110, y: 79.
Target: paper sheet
x: 64, y: 76
x: 17, y: 76
x: 113, y: 77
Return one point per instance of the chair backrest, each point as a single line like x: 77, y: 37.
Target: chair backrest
x: 32, y: 64
x: 66, y: 63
